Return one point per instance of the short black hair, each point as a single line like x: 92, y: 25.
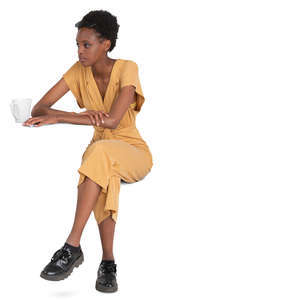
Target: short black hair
x: 104, y: 23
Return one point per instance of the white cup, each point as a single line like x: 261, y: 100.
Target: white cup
x: 21, y: 109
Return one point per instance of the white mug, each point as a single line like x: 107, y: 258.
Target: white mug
x: 21, y: 109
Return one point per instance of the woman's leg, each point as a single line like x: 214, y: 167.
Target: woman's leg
x: 88, y: 193
x: 107, y: 230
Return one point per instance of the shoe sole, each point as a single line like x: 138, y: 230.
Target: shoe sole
x: 64, y: 275
x: 106, y: 289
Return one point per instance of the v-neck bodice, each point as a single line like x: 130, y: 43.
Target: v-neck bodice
x: 111, y: 78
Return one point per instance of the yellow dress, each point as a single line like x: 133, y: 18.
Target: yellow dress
x: 112, y: 154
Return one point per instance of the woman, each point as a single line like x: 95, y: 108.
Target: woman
x: 111, y: 92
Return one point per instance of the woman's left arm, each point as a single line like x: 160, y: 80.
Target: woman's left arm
x: 121, y: 104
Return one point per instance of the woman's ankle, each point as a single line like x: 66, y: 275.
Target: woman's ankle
x: 108, y: 257
x: 74, y: 243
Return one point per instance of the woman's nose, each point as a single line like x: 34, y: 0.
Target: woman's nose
x: 80, y: 50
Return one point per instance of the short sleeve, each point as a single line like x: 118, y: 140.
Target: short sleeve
x: 130, y: 76
x: 72, y: 79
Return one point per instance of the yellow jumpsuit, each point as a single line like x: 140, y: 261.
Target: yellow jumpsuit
x: 112, y: 154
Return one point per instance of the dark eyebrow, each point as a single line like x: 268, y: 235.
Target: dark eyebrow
x: 83, y: 41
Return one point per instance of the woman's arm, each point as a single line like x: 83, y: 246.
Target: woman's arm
x: 69, y: 117
x: 51, y: 97
x: 41, y: 112
x: 45, y: 110
x: 75, y: 118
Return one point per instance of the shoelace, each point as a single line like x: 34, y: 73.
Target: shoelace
x: 62, y: 253
x: 108, y: 268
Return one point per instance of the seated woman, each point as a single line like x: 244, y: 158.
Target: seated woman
x: 111, y: 92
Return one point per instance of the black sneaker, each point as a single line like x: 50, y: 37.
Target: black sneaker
x: 62, y: 264
x: 106, y: 279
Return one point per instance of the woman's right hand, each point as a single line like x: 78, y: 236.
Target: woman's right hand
x: 96, y: 116
x: 41, y: 120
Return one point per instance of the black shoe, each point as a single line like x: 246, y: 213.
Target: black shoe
x: 62, y: 264
x: 106, y: 279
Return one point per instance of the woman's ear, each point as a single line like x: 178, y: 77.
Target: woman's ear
x: 107, y: 45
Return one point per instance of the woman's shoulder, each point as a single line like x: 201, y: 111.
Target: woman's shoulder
x: 127, y: 61
x: 76, y: 68
x: 73, y: 70
x: 128, y: 65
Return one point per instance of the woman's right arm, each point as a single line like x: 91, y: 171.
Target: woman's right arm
x: 52, y: 96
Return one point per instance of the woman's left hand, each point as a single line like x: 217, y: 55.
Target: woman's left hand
x: 40, y: 120
x: 95, y: 116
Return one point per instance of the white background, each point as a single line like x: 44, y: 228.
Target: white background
x: 218, y: 215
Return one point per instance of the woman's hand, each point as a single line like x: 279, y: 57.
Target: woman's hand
x: 41, y: 120
x: 95, y: 116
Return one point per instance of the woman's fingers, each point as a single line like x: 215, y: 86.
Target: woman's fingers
x: 92, y: 114
x: 101, y: 117
x: 27, y: 122
x: 31, y: 121
x: 93, y: 119
x: 106, y: 114
x: 97, y: 118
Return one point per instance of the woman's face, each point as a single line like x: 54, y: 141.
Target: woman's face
x: 90, y: 49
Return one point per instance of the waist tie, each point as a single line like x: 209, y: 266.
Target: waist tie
x: 109, y: 134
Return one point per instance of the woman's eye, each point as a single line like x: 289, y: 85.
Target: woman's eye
x: 84, y: 44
